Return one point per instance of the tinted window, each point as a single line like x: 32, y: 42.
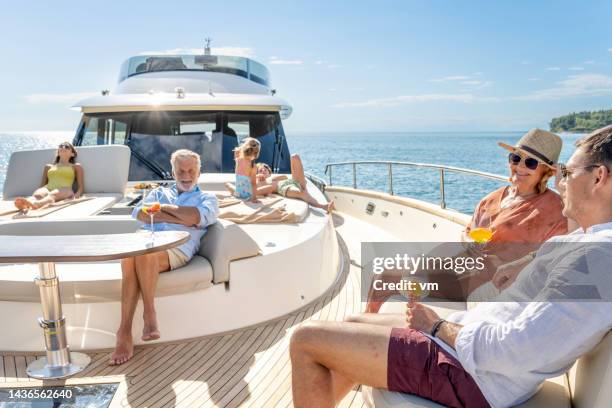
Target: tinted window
x: 100, y: 130
x: 154, y: 136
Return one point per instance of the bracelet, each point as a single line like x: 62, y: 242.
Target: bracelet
x: 144, y: 210
x: 436, y: 327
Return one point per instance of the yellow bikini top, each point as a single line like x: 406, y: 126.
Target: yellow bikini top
x: 60, y: 177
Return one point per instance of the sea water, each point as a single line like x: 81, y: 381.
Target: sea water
x: 472, y: 150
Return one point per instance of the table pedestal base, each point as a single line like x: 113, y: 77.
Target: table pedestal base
x: 60, y: 362
x: 39, y: 368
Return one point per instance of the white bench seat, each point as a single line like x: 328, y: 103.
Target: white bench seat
x: 98, y: 282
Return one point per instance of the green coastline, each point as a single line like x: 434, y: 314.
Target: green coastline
x: 581, y: 122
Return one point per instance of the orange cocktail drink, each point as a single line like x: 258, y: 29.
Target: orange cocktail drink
x: 481, y: 235
x: 151, y: 209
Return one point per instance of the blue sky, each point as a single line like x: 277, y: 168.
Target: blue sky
x: 344, y: 65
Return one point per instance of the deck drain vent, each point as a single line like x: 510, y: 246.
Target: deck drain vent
x: 370, y: 208
x: 384, y: 213
x: 270, y: 244
x: 435, y: 225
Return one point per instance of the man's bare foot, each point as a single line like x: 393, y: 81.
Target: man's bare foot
x: 150, y: 333
x: 124, y: 349
x: 23, y: 203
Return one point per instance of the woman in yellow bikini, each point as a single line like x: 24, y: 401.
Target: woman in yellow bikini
x: 58, y: 179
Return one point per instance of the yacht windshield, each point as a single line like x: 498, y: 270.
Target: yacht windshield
x: 244, y: 67
x: 154, y: 136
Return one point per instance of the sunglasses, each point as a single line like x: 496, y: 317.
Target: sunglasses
x: 64, y: 146
x: 530, y: 162
x: 565, y: 172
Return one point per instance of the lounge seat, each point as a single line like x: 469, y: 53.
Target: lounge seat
x: 554, y: 393
x: 100, y: 282
x: 105, y: 171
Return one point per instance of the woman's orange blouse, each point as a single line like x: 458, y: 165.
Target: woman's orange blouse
x: 529, y: 222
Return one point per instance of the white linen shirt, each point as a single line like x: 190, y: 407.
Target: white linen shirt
x: 511, y: 346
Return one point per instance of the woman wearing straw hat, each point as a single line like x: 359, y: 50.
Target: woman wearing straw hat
x: 526, y: 213
x: 518, y: 217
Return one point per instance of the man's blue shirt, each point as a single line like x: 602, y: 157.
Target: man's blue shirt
x: 205, y: 203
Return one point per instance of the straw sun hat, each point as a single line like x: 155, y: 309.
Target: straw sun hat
x: 540, y: 144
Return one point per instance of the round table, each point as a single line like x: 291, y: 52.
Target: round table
x: 48, y: 249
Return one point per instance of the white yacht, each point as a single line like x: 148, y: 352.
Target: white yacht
x: 225, y: 318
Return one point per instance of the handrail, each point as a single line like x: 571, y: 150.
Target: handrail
x: 317, y: 181
x: 442, y: 169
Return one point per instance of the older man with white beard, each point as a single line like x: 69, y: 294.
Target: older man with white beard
x: 184, y: 207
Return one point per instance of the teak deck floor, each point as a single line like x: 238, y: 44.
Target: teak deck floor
x: 248, y: 367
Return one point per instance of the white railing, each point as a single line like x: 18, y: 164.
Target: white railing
x: 390, y: 164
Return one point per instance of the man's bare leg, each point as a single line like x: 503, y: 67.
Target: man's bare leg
x: 148, y: 268
x: 266, y: 189
x: 342, y: 385
x: 297, y: 173
x: 297, y: 170
x: 353, y: 352
x: 124, y: 350
x: 304, y: 195
x: 378, y: 319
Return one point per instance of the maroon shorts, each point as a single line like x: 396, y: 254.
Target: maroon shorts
x: 417, y: 365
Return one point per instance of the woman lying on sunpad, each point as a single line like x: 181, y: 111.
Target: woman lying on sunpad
x: 292, y: 187
x: 57, y: 180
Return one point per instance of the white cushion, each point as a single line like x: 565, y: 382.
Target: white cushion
x: 224, y: 242
x: 591, y: 377
x: 98, y: 282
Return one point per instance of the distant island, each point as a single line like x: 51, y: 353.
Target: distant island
x: 581, y: 121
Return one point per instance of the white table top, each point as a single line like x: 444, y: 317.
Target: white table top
x: 85, y: 248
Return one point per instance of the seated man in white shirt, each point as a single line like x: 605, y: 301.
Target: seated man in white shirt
x: 497, y: 354
x: 184, y: 207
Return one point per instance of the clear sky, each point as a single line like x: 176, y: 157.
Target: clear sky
x: 344, y: 65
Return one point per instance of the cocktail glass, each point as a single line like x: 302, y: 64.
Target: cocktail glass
x: 480, y: 230
x: 152, y: 208
x: 419, y: 288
